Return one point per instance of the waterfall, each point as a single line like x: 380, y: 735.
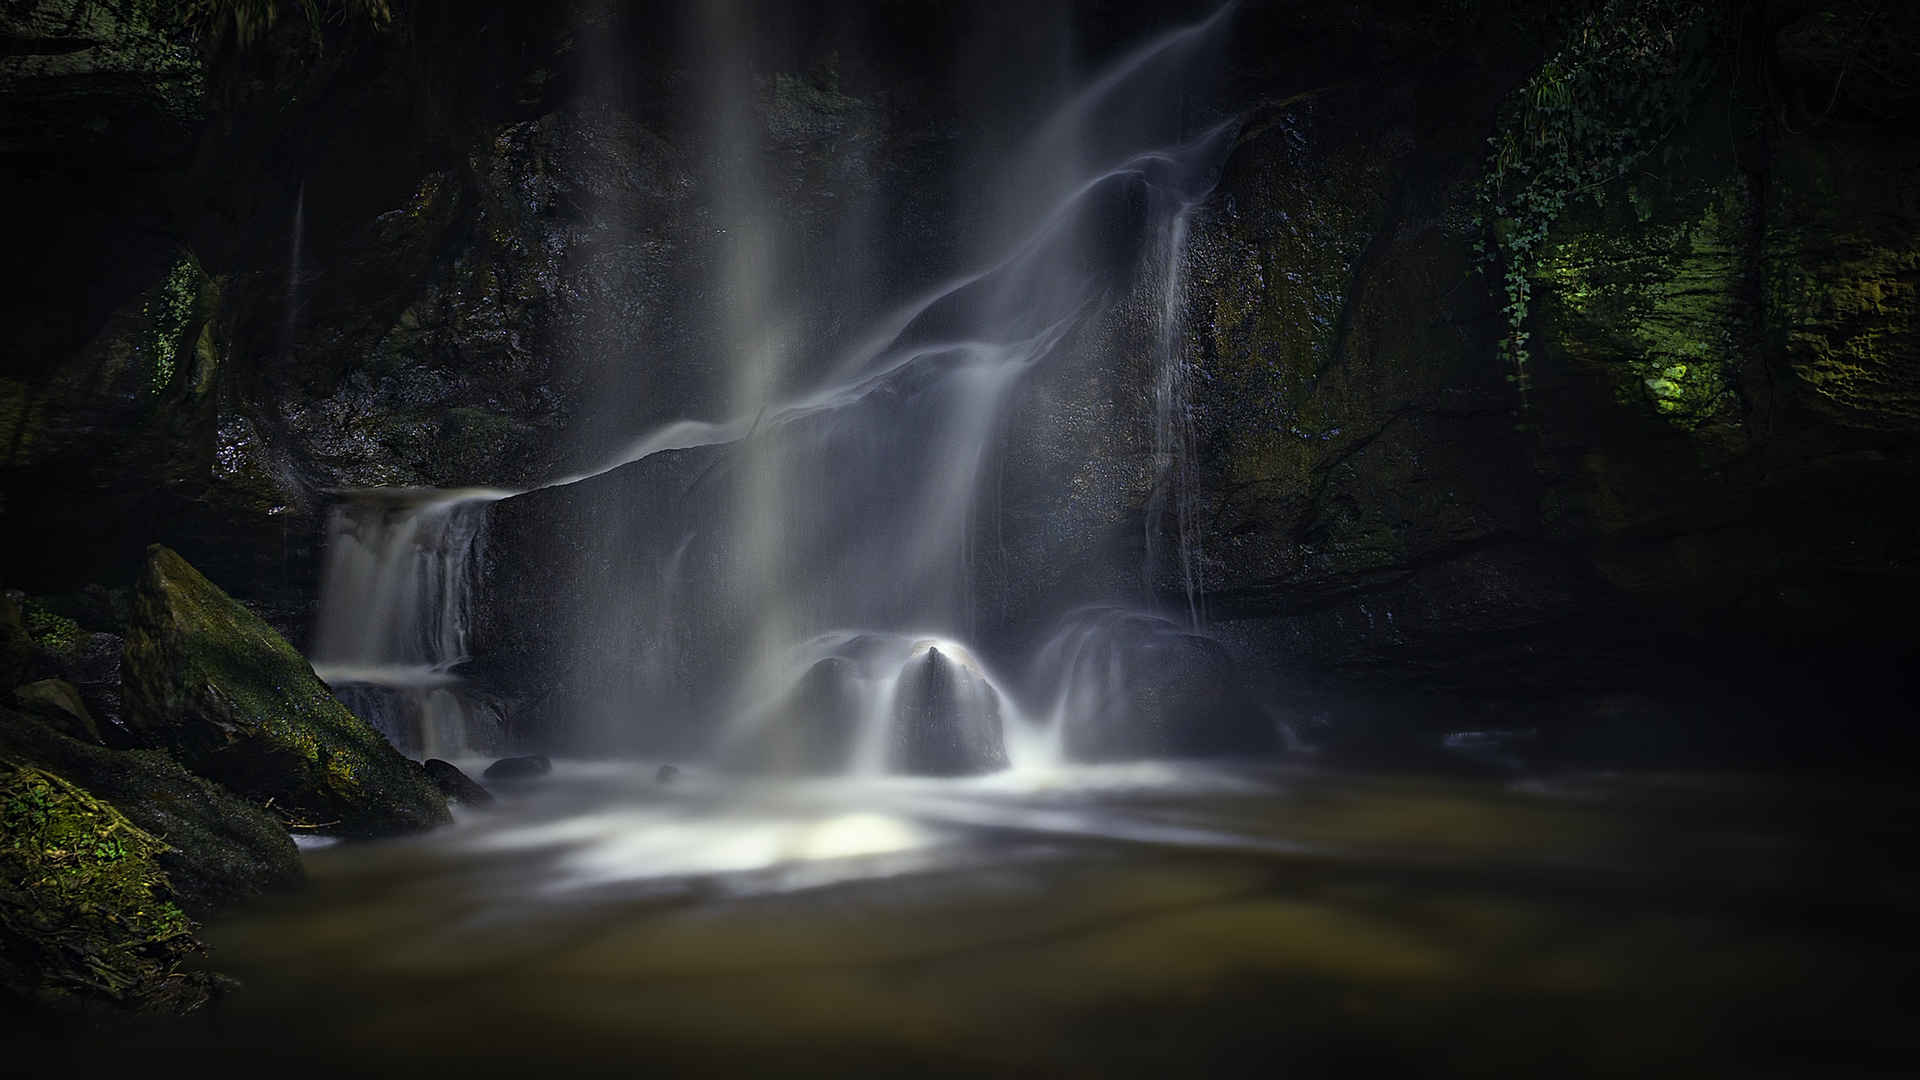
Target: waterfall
x: 294, y: 244
x: 812, y: 604
x: 395, y: 608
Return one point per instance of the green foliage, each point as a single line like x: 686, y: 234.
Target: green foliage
x: 248, y: 20
x: 83, y: 899
x: 170, y: 312
x: 51, y: 631
x: 1624, y: 76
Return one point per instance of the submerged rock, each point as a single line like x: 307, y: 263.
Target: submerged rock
x: 57, y: 702
x: 216, y: 687
x: 519, y: 768
x: 667, y: 774
x: 87, y: 915
x: 222, y: 849
x: 813, y: 728
x: 456, y: 785
x: 946, y: 720
x: 1135, y: 685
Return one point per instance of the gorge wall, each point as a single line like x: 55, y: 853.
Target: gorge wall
x: 470, y: 248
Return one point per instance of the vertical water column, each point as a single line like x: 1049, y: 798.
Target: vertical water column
x: 751, y: 334
x: 1169, y: 506
x: 294, y: 253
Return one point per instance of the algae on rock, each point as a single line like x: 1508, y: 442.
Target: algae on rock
x: 230, y: 699
x: 86, y: 912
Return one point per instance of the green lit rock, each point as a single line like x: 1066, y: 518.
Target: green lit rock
x: 222, y: 849
x: 58, y: 703
x: 214, y: 685
x: 1843, y: 286
x: 87, y: 915
x: 1654, y: 300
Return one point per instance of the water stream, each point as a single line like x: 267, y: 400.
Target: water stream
x: 396, y: 603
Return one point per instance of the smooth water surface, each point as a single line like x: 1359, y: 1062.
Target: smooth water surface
x: 1136, y: 919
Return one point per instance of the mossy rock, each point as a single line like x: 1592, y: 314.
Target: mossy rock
x: 214, y: 685
x: 222, y: 850
x: 87, y: 917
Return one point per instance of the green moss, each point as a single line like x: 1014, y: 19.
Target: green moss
x: 225, y: 850
x: 55, y: 633
x: 171, y: 311
x: 247, y: 21
x: 1843, y: 291
x: 84, y: 901
x: 1657, y: 300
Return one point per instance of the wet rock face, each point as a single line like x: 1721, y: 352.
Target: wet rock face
x: 946, y: 720
x: 228, y: 698
x: 529, y: 767
x: 813, y: 729
x: 509, y: 283
x: 456, y: 785
x: 1383, y: 506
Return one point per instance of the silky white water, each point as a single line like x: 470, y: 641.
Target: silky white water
x: 849, y: 510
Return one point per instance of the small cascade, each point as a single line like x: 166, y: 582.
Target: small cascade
x: 1128, y: 684
x: 395, y: 606
x: 874, y: 704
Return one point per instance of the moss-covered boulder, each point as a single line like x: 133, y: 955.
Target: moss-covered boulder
x: 222, y: 850
x: 208, y: 681
x: 87, y: 916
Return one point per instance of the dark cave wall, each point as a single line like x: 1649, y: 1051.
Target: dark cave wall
x: 509, y: 225
x: 1692, y: 501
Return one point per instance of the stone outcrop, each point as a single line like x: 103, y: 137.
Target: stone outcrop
x: 227, y: 697
x: 221, y: 849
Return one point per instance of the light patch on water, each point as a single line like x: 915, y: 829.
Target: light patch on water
x: 729, y: 845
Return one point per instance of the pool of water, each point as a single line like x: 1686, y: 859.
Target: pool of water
x: 1131, y: 920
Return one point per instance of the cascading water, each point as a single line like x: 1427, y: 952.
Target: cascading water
x: 825, y: 569
x: 395, y: 607
x: 1173, y: 436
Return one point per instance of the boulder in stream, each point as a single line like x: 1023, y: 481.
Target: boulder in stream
x: 812, y: 729
x: 211, y: 683
x: 456, y: 785
x: 946, y: 719
x: 519, y: 768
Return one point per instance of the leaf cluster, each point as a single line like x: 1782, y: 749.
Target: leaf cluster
x: 248, y: 20
x: 1624, y: 75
